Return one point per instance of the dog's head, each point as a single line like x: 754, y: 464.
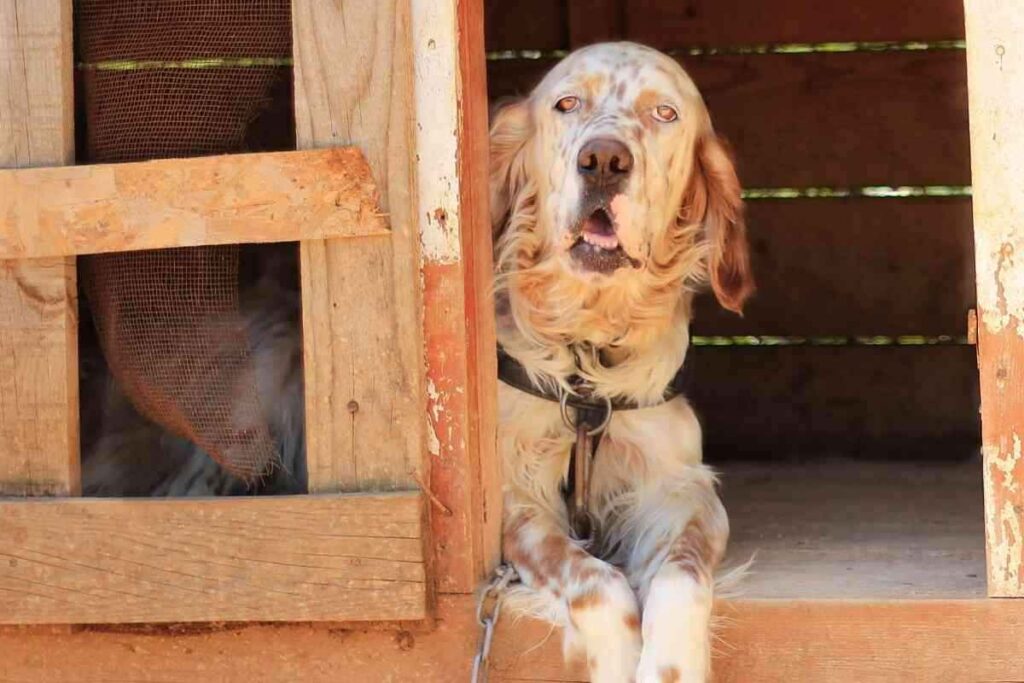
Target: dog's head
x: 609, y: 176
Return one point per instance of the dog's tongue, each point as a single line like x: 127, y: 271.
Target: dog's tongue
x: 599, y: 231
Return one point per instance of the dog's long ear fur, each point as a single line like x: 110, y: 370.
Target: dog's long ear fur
x: 714, y: 199
x: 511, y: 127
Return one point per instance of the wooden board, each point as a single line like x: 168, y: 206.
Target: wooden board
x: 595, y: 21
x: 38, y: 299
x: 667, y: 24
x: 813, y: 120
x: 526, y: 24
x: 852, y: 267
x: 353, y: 557
x: 833, y: 529
x: 458, y: 318
x: 835, y: 641
x: 272, y: 197
x: 895, y: 403
x: 361, y: 298
x: 997, y: 144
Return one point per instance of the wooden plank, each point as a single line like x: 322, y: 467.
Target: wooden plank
x: 996, y: 67
x: 853, y: 267
x: 835, y: 641
x: 811, y: 120
x: 458, y: 317
x: 38, y: 299
x: 788, y: 403
x: 596, y: 21
x: 526, y: 24
x: 272, y: 197
x: 743, y: 22
x: 354, y: 557
x: 361, y: 298
x: 835, y: 529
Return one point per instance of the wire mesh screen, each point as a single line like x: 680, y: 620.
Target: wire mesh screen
x: 176, y: 78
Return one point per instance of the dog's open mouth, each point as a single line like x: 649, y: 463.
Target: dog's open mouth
x: 597, y: 245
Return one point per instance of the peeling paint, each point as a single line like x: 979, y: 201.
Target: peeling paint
x: 434, y: 28
x: 1005, y: 541
x: 433, y: 412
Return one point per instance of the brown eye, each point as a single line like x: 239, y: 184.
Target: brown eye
x: 568, y: 104
x: 665, y: 113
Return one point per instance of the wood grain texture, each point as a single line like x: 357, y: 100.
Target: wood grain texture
x: 273, y: 197
x: 836, y: 641
x: 478, y: 275
x: 353, y: 557
x: 362, y: 326
x: 665, y: 24
x: 829, y: 267
x: 812, y: 120
x: 835, y: 529
x: 786, y: 403
x: 996, y: 67
x: 457, y: 307
x: 38, y: 298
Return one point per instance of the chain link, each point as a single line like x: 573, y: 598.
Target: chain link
x: 488, y: 609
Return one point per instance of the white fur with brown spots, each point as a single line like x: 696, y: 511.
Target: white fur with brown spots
x: 613, y: 203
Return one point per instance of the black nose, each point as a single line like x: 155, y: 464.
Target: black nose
x: 604, y: 159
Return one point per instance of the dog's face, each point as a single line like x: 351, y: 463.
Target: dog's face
x: 610, y: 172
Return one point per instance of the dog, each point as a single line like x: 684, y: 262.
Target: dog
x: 613, y: 202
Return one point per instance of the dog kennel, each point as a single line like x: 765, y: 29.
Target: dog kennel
x: 843, y: 409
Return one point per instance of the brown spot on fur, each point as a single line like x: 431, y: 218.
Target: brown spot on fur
x: 670, y: 674
x: 586, y: 600
x: 592, y: 83
x: 632, y: 622
x: 692, y: 552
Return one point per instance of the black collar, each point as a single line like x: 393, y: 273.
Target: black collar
x: 512, y: 373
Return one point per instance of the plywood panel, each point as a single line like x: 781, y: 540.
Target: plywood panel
x: 996, y: 66
x: 810, y: 402
x: 282, y: 196
x: 361, y: 305
x: 739, y: 22
x: 835, y: 529
x: 38, y: 299
x: 814, y: 120
x: 354, y: 557
x: 828, y: 267
x: 837, y: 641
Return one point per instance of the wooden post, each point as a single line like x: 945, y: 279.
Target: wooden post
x: 38, y: 300
x: 361, y: 324
x: 995, y: 63
x: 451, y: 149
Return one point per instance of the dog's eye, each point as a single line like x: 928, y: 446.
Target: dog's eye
x: 665, y: 113
x: 568, y: 104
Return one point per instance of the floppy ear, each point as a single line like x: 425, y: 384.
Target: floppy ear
x: 714, y: 200
x: 510, y: 129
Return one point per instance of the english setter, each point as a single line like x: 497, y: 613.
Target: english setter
x: 613, y: 202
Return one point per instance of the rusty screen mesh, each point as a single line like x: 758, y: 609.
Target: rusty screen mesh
x: 176, y: 78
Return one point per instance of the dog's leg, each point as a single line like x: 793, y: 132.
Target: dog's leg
x: 592, y: 599
x: 685, y: 530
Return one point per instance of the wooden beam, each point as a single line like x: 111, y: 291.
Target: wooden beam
x: 362, y: 327
x: 301, y: 558
x: 995, y: 62
x: 834, y: 641
x: 38, y: 298
x: 458, y: 319
x: 272, y: 197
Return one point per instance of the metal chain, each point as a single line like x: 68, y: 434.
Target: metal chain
x: 488, y: 609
